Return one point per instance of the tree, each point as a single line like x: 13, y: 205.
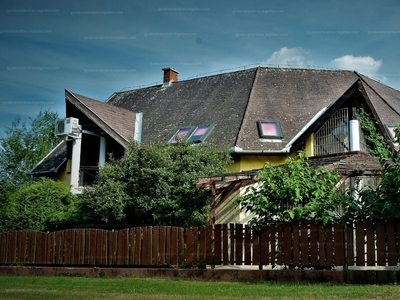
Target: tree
x: 38, y: 205
x: 384, y: 201
x: 154, y: 184
x: 24, y: 146
x: 292, y: 192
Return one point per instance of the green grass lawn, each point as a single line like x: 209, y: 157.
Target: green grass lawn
x: 38, y: 287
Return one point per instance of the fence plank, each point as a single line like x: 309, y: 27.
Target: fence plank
x: 391, y: 243
x: 217, y: 244
x: 339, y: 245
x: 256, y: 248
x: 145, y: 247
x: 51, y: 248
x: 21, y: 247
x: 314, y: 243
x: 360, y: 244
x: 265, y: 247
x: 370, y: 232
x: 138, y: 246
x: 225, y: 245
x: 174, y: 245
x: 239, y: 244
x: 329, y: 245
x: 189, y: 246
x: 12, y: 244
x: 181, y: 247
x: 272, y: 240
x: 321, y: 245
x: 380, y: 243
x: 287, y: 244
x: 156, y: 245
x: 304, y: 244
x: 163, y: 243
x: 3, y: 247
x: 350, y: 244
x: 280, y: 245
x: 232, y: 257
x: 209, y: 245
x: 112, y: 247
x: 247, y: 245
x: 296, y: 244
x: 202, y: 251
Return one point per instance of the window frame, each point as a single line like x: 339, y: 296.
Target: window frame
x: 392, y: 134
x: 173, y: 139
x: 265, y: 136
x: 209, y: 127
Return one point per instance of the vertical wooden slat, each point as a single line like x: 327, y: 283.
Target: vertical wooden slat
x: 51, y: 248
x: 350, y: 244
x: 256, y: 248
x: 112, y: 247
x: 217, y: 244
x: 174, y: 245
x: 287, y: 244
x: 78, y: 246
x: 169, y: 245
x: 12, y: 244
x: 321, y: 245
x: 196, y: 246
x: 21, y: 247
x: 181, y: 247
x: 150, y: 245
x: 101, y: 247
x: 93, y: 246
x: 209, y: 245
x: 138, y: 246
x: 232, y: 235
x: 145, y: 246
x: 189, y: 246
x: 272, y: 231
x: 265, y: 243
x: 59, y: 247
x: 313, y: 243
x: 380, y: 243
x: 87, y: 247
x: 370, y: 243
x: 239, y: 244
x: 391, y: 243
x: 360, y: 244
x: 280, y: 245
x: 41, y: 251
x: 304, y: 244
x: 329, y: 245
x: 247, y: 245
x: 66, y: 246
x: 339, y: 245
x: 202, y: 251
x: 225, y: 245
x: 3, y: 247
x: 163, y: 243
x: 156, y: 245
x: 296, y: 243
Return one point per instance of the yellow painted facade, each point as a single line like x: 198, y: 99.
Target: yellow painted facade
x: 65, y: 175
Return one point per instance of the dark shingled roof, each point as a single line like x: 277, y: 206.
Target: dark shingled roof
x: 53, y: 161
x: 109, y: 117
x: 235, y: 101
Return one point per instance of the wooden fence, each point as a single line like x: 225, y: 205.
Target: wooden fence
x: 364, y: 246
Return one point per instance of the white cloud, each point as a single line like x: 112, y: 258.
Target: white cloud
x: 363, y: 64
x: 288, y: 56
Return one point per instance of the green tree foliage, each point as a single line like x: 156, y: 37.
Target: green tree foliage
x: 154, y: 184
x: 384, y: 201
x: 24, y: 146
x: 38, y: 205
x: 292, y: 192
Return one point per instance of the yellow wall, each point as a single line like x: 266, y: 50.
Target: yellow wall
x: 65, y: 175
x: 251, y: 162
x: 309, y: 151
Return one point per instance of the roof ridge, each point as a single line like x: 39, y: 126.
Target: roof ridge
x: 255, y: 79
x: 379, y: 95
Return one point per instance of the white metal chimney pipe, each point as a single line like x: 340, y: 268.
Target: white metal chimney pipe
x: 75, y: 162
x: 354, y: 135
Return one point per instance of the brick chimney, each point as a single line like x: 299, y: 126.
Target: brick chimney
x: 170, y: 74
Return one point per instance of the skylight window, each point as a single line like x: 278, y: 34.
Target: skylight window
x: 390, y: 128
x: 269, y: 129
x: 181, y: 134
x: 200, y: 133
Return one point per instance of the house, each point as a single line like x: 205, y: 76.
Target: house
x: 263, y: 114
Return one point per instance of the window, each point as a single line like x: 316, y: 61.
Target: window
x: 269, y: 129
x: 180, y: 134
x: 200, y: 133
x: 390, y: 128
x: 333, y: 136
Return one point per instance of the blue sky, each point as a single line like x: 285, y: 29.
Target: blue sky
x: 96, y: 48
